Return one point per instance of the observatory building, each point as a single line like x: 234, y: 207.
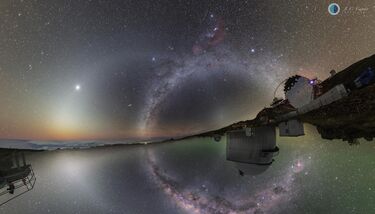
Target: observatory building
x: 252, y: 149
x: 299, y: 90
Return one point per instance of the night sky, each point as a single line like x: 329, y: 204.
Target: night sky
x: 138, y: 69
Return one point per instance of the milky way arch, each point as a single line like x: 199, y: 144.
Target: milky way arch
x: 173, y: 72
x: 200, y: 200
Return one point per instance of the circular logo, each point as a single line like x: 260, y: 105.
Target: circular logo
x: 333, y: 9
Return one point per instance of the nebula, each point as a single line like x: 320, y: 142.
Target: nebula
x: 213, y: 35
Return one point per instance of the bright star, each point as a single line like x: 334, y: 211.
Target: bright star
x: 299, y: 164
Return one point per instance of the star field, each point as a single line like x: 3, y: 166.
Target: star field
x: 140, y: 69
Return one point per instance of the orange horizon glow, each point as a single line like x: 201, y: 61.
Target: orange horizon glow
x: 79, y: 135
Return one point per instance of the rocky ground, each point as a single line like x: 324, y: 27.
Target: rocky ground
x: 348, y: 118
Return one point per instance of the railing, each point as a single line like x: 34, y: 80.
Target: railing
x: 24, y: 185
